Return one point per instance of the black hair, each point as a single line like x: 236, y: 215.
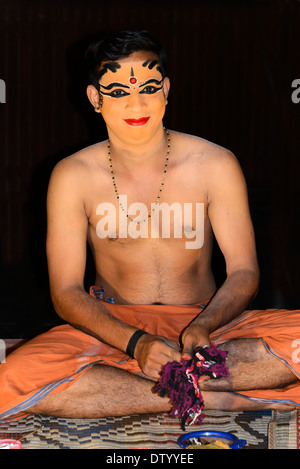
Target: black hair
x: 115, y: 46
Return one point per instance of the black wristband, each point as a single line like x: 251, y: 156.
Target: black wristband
x: 133, y: 341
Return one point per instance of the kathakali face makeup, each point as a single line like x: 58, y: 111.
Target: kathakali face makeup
x: 133, y: 94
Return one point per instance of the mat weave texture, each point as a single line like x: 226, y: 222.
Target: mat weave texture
x: 151, y: 431
x: 284, y: 430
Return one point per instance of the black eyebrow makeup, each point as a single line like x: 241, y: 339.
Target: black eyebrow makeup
x: 114, y: 94
x: 118, y: 93
x: 112, y: 66
x: 151, y: 80
x: 112, y: 85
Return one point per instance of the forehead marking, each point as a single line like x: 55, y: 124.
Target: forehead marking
x: 112, y: 66
x: 132, y: 80
x: 151, y: 63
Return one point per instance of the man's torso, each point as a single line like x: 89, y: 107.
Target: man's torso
x: 167, y: 258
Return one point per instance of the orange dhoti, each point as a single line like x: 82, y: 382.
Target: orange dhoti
x: 54, y: 360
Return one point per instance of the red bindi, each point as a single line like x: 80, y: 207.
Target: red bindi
x: 132, y: 80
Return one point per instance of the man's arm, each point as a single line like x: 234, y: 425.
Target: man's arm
x: 229, y: 215
x: 67, y: 225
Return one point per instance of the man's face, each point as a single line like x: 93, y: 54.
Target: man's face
x: 133, y: 95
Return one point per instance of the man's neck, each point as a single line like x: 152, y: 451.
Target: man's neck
x: 138, y: 154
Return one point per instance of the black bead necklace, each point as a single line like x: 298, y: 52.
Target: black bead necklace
x: 160, y: 189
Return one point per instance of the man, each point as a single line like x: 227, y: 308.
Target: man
x: 148, y: 201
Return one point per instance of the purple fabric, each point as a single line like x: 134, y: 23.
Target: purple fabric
x: 180, y: 382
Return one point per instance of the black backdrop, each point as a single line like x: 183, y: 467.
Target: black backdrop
x: 231, y: 66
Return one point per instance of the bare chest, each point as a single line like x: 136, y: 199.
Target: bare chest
x: 130, y: 223
x: 135, y: 216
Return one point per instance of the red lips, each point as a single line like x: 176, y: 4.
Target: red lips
x: 141, y: 121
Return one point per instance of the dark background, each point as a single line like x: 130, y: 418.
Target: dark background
x: 231, y: 66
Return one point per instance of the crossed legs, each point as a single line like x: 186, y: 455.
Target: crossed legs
x: 106, y: 391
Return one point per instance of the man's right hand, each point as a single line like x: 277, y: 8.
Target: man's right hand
x: 152, y: 352
x: 195, y: 335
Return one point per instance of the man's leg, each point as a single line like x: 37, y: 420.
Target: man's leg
x: 250, y: 366
x: 101, y: 392
x: 106, y: 391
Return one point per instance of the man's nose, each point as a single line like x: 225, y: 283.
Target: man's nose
x: 135, y: 101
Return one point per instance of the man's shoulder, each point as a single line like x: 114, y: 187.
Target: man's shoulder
x: 80, y: 163
x: 197, y: 149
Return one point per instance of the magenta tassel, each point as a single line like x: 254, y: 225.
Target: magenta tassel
x: 179, y: 381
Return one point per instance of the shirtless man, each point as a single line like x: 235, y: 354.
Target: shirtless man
x: 130, y: 91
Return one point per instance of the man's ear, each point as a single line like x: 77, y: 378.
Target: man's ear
x: 166, y: 87
x: 93, y: 96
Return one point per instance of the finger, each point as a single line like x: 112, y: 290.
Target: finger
x: 169, y: 352
x: 188, y: 349
x: 152, y: 371
x: 174, y: 355
x: 203, y: 378
x: 173, y: 345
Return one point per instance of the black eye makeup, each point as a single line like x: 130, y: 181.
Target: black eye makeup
x: 150, y: 90
x: 149, y: 87
x: 117, y: 93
